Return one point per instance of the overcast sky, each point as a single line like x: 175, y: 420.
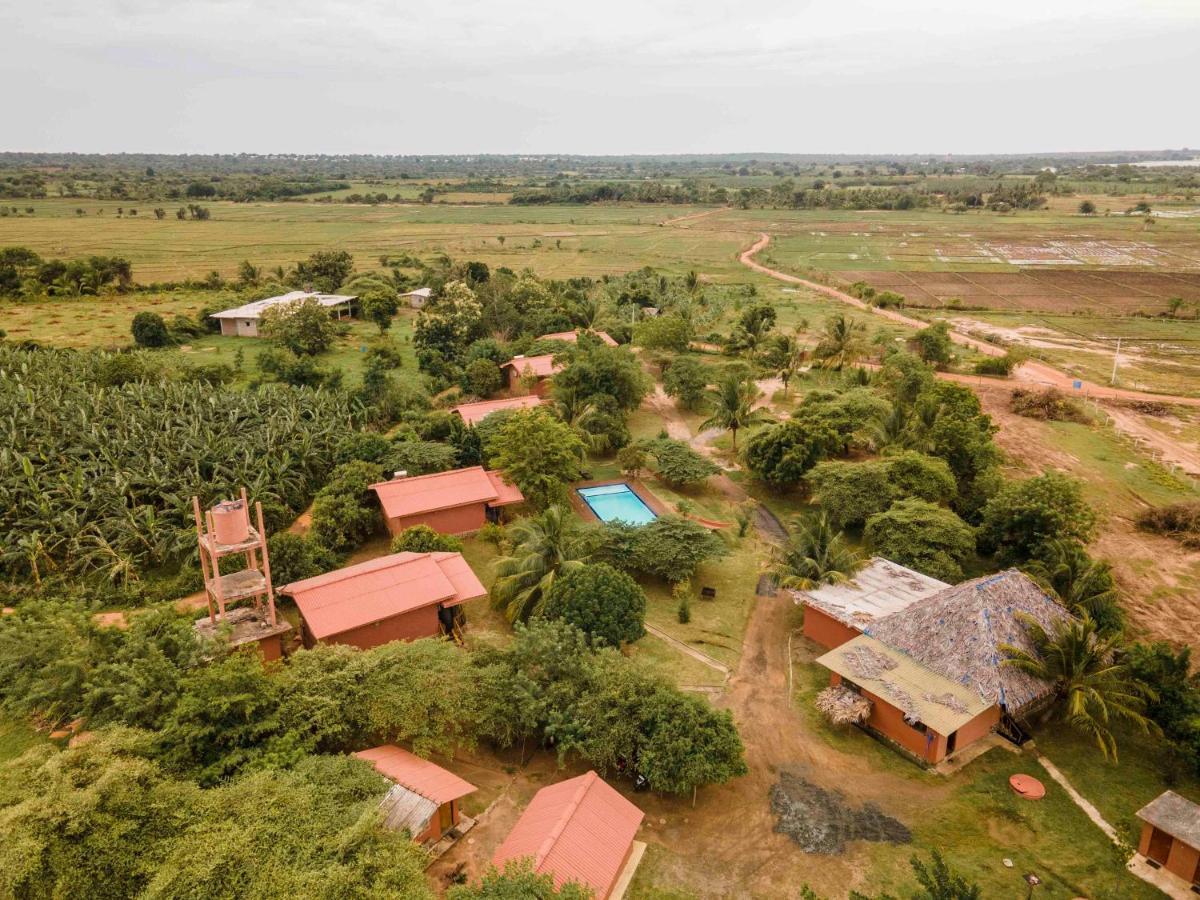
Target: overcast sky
x: 468, y: 76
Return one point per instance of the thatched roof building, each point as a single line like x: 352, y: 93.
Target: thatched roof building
x: 957, y: 633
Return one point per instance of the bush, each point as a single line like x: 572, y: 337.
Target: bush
x: 1048, y: 405
x: 303, y: 326
x: 687, y: 379
x: 420, y: 457
x: 933, y: 344
x: 423, y: 539
x: 678, y: 464
x: 1180, y: 521
x: 295, y: 557
x: 605, y: 604
x: 346, y: 511
x: 781, y: 455
x: 1025, y: 516
x: 149, y: 330
x: 922, y: 536
x: 997, y: 365
x: 670, y: 548
x: 482, y: 378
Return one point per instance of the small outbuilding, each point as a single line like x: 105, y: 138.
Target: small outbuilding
x: 579, y: 830
x: 541, y: 368
x: 242, y: 321
x: 400, y: 597
x: 424, y: 798
x: 572, y: 337
x: 418, y: 298
x: 837, y: 613
x: 473, y: 413
x: 1171, y: 836
x: 456, y: 502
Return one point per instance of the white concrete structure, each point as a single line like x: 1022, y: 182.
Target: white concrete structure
x: 418, y: 298
x: 242, y: 321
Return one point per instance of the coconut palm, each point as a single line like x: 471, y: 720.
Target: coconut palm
x: 1084, y: 585
x: 843, y: 342
x: 815, y: 553
x: 782, y: 356
x: 544, y: 546
x: 579, y: 413
x: 732, y: 404
x: 1091, y: 685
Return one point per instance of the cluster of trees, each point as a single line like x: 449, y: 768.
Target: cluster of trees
x: 23, y: 273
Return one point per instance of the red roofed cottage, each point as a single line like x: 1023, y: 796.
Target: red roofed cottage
x: 541, y: 368
x: 454, y: 502
x: 401, y: 597
x: 578, y: 830
x: 425, y: 797
x: 474, y: 413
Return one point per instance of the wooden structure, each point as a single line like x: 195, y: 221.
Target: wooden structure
x: 579, y: 830
x: 400, y: 597
x: 224, y: 531
x: 933, y: 671
x: 1171, y: 836
x: 456, y: 502
x: 424, y: 799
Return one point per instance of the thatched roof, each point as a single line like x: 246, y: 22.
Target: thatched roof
x: 1177, y: 816
x: 878, y: 589
x: 842, y: 706
x: 957, y: 633
x: 920, y: 693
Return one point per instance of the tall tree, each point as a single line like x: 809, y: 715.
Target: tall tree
x: 815, y: 553
x: 545, y: 546
x: 732, y: 405
x: 842, y: 344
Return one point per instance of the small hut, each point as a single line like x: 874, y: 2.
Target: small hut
x: 540, y: 368
x: 456, y: 502
x: 1171, y: 836
x: 424, y: 798
x: 474, y: 413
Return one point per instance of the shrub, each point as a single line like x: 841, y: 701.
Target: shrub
x: 303, y: 326
x: 933, y: 344
x: 671, y: 548
x: 345, y: 511
x: 781, y: 455
x: 1180, y: 521
x: 997, y: 365
x: 1048, y: 405
x: 687, y: 379
x: 678, y: 464
x: 922, y: 536
x: 1025, y: 516
x: 423, y: 539
x: 295, y: 557
x: 605, y: 604
x: 421, y: 457
x: 149, y: 330
x: 482, y: 378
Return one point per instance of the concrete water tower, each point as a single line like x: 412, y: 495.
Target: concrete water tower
x: 226, y: 531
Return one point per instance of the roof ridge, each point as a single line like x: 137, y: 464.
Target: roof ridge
x: 371, y: 565
x: 587, y: 781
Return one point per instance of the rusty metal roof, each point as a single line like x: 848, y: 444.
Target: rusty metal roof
x: 421, y: 776
x: 381, y: 588
x: 417, y: 494
x: 477, y: 412
x: 577, y: 830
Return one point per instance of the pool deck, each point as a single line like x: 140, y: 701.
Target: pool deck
x: 657, y: 507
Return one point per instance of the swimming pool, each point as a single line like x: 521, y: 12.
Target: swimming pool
x: 617, y: 502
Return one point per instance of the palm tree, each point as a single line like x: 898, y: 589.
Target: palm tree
x: 1084, y: 585
x: 579, y: 412
x: 1092, y: 686
x: 842, y: 342
x: 814, y: 554
x: 732, y: 404
x: 544, y: 546
x: 783, y: 357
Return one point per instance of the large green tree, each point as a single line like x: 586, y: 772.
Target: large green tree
x: 732, y: 405
x: 544, y: 547
x: 1025, y: 516
x: 922, y: 536
x: 604, y: 603
x: 538, y: 453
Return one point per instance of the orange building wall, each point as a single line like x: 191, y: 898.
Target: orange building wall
x: 434, y: 831
x: 929, y: 746
x: 459, y: 520
x: 271, y: 648
x: 1181, y: 861
x: 826, y: 630
x: 411, y: 626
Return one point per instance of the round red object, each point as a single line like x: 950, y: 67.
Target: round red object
x: 1028, y: 787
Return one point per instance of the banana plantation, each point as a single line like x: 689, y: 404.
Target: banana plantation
x: 98, y: 479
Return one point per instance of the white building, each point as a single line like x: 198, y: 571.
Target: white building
x: 242, y: 321
x: 418, y: 298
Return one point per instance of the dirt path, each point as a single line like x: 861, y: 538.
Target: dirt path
x: 690, y: 216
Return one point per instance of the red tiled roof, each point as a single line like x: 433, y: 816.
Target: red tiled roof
x: 418, y: 775
x: 572, y: 337
x: 476, y: 412
x: 410, y: 496
x: 578, y: 830
x: 542, y: 366
x: 381, y: 588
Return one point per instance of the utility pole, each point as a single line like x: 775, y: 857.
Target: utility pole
x: 1116, y: 360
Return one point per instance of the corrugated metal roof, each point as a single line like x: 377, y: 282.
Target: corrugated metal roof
x: 572, y: 337
x: 1176, y: 815
x: 506, y: 493
x: 419, y: 775
x: 542, y: 366
x: 476, y: 412
x: 406, y: 810
x: 919, y: 692
x: 419, y: 292
x: 577, y: 830
x: 255, y: 310
x: 417, y: 494
x: 879, y: 589
x: 381, y: 588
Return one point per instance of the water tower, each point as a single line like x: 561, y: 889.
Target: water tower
x: 226, y: 531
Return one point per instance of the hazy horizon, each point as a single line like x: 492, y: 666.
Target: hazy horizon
x: 325, y: 76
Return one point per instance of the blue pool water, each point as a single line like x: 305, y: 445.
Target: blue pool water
x: 613, y: 502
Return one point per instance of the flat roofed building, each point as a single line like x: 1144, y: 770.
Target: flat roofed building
x: 242, y: 321
x: 473, y: 413
x: 455, y: 502
x: 836, y: 613
x: 579, y: 830
x: 403, y: 596
x: 1171, y: 835
x: 425, y: 797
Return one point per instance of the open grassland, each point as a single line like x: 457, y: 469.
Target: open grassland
x: 554, y: 241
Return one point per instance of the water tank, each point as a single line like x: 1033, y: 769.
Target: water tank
x: 230, y: 522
